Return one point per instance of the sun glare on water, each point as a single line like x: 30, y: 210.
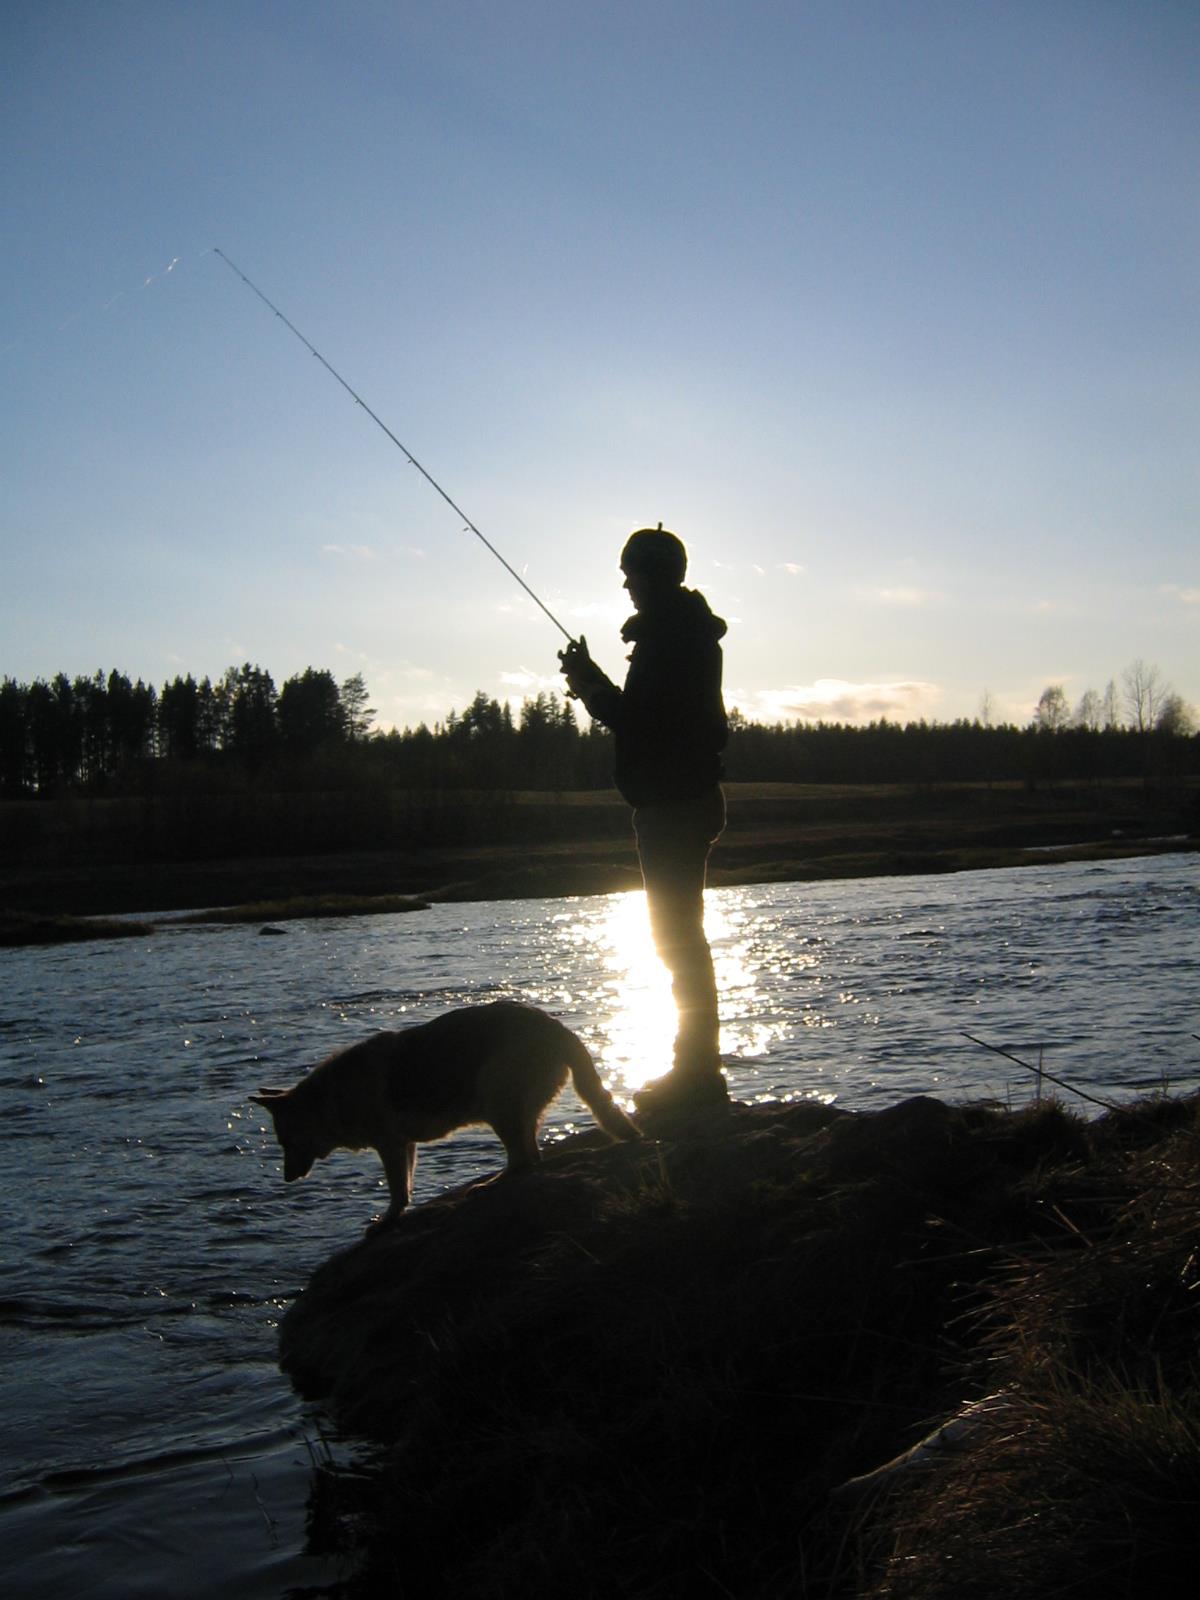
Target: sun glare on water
x: 630, y: 998
x: 633, y: 1002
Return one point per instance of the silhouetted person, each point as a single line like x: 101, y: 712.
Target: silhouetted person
x: 670, y: 728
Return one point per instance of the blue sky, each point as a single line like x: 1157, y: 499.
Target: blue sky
x: 888, y: 309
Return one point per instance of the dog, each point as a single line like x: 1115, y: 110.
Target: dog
x: 500, y: 1064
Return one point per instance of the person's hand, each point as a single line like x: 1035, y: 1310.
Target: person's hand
x: 578, y: 668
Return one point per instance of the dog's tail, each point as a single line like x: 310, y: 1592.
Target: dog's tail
x: 593, y: 1093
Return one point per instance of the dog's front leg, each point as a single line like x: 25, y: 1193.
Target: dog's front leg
x: 399, y: 1161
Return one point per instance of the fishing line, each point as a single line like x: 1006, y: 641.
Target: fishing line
x: 29, y: 341
x: 469, y: 526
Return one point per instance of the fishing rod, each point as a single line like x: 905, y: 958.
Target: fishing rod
x: 404, y: 450
x: 1040, y: 1070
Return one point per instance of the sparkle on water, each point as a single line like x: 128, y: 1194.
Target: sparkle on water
x: 625, y: 991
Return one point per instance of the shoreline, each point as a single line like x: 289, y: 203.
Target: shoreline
x: 89, y: 859
x: 287, y: 889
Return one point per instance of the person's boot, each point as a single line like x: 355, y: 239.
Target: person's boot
x: 683, y: 1091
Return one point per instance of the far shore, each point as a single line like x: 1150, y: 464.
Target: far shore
x: 68, y: 869
x: 268, y: 891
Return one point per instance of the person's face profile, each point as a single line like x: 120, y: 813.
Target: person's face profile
x: 638, y: 587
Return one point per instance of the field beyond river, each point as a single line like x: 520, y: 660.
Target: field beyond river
x: 171, y: 852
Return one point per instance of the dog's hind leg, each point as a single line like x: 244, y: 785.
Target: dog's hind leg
x: 516, y: 1086
x: 517, y: 1132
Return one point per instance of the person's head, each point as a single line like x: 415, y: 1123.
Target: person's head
x: 653, y: 561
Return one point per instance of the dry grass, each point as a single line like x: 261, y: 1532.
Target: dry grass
x: 1088, y: 1482
x: 643, y: 1371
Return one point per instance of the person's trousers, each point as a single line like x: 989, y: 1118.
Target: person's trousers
x: 673, y: 843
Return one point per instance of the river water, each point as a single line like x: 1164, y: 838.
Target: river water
x: 148, y: 1444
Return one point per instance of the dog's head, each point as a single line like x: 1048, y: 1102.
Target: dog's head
x: 297, y: 1138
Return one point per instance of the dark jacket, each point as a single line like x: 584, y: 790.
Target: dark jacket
x: 669, y: 720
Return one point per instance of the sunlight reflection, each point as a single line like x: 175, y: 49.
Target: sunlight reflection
x: 743, y: 950
x: 630, y: 998
x: 636, y: 993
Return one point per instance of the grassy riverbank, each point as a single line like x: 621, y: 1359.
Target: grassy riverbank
x: 654, y: 1371
x: 97, y: 863
x: 550, y: 875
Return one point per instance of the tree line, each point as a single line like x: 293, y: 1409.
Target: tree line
x: 1144, y: 702
x: 106, y: 735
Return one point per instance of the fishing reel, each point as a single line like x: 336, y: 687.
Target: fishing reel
x: 578, y: 667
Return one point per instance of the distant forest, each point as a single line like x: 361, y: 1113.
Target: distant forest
x: 108, y: 736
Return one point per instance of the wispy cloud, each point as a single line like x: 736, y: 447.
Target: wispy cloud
x: 407, y: 694
x: 605, y: 611
x: 757, y: 570
x: 526, y: 682
x: 905, y: 595
x: 408, y: 672
x: 1190, y: 597
x: 349, y: 552
x: 837, y: 700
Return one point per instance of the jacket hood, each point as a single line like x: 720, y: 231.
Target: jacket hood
x: 683, y: 610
